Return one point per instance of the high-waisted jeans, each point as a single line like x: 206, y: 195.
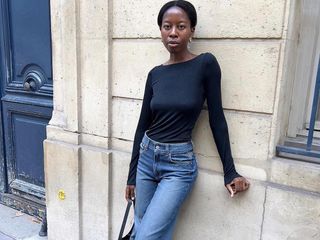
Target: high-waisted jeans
x: 166, y: 173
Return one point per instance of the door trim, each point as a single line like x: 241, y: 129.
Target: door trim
x: 5, y: 73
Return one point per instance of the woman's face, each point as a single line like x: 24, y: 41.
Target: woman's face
x: 176, y: 30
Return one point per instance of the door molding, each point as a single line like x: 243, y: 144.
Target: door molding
x: 5, y: 73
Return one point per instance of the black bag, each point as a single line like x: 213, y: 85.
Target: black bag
x: 124, y: 221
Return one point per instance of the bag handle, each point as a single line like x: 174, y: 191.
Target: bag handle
x: 124, y: 221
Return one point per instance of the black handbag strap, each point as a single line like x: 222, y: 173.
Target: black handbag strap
x: 124, y: 221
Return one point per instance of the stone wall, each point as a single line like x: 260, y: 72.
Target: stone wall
x: 102, y: 52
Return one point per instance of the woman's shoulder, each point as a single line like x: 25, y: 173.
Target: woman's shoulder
x: 210, y: 58
x: 211, y: 63
x: 154, y: 71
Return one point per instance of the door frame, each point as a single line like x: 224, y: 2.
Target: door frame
x: 5, y: 73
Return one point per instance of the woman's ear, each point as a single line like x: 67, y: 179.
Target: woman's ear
x: 192, y: 31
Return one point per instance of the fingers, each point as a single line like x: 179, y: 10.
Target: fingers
x: 241, y: 184
x: 127, y: 193
x: 237, y: 185
x: 130, y: 192
x: 231, y: 190
x: 247, y: 184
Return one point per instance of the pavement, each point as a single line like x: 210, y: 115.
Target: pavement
x: 15, y: 225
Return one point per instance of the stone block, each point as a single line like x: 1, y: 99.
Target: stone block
x: 94, y: 141
x: 249, y: 73
x: 131, y: 62
x: 94, y: 19
x: 216, y: 19
x: 119, y: 168
x: 94, y: 86
x: 246, y: 132
x: 125, y: 117
x: 62, y: 190
x: 296, y: 174
x: 249, y: 70
x: 95, y: 187
x: 210, y: 213
x: 65, y: 63
x: 291, y: 215
x: 58, y: 134
x: 240, y: 18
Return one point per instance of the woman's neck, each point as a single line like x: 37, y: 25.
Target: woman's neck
x: 180, y: 57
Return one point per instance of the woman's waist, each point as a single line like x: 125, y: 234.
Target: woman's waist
x: 150, y: 143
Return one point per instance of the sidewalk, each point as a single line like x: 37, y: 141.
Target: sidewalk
x: 15, y: 225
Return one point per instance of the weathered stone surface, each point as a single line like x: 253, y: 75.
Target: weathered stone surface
x: 246, y: 132
x: 94, y: 141
x: 62, y: 174
x: 94, y: 189
x: 291, y: 215
x: 119, y: 168
x: 124, y: 123
x: 296, y: 174
x: 248, y: 82
x: 217, y: 19
x: 210, y: 213
x: 128, y: 80
x: 57, y: 134
x: 94, y: 86
x: 249, y: 73
x: 65, y: 64
x: 94, y: 19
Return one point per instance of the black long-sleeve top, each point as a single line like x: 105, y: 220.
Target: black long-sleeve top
x: 173, y: 98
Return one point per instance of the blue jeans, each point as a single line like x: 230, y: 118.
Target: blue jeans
x: 166, y: 173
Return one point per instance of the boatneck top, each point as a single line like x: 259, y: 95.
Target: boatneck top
x: 184, y: 62
x: 173, y: 98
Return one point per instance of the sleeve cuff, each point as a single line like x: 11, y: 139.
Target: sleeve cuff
x: 131, y: 181
x: 230, y: 176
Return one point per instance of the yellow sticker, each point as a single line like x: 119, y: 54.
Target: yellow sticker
x: 61, y: 195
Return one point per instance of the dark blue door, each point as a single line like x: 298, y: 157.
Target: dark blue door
x: 26, y: 100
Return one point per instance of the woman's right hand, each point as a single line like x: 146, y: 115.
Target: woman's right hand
x: 130, y: 192
x: 238, y: 184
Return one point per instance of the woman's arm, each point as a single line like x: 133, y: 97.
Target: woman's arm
x: 217, y: 119
x: 143, y: 124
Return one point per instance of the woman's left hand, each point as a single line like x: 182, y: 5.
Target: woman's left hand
x: 238, y: 184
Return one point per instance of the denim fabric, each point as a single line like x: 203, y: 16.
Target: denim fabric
x: 166, y: 173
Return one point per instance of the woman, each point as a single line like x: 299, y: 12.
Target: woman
x: 163, y: 167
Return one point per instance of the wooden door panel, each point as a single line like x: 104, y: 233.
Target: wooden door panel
x: 24, y: 128
x: 26, y: 99
x: 28, y: 133
x: 30, y: 42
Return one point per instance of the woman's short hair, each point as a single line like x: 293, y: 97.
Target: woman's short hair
x: 184, y: 5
